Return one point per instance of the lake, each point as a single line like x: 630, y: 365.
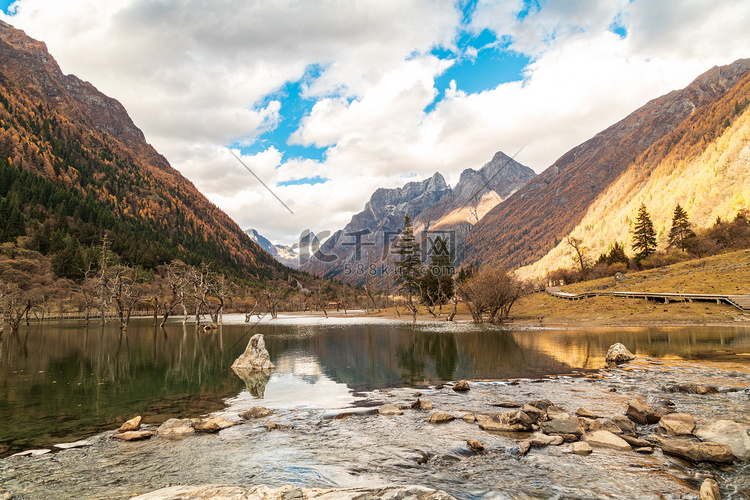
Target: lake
x: 61, y: 381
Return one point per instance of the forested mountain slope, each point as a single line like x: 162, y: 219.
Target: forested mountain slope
x: 74, y: 167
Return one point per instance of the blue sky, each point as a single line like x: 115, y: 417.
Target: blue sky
x: 328, y: 101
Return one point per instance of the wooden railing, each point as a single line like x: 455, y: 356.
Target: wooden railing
x: 741, y: 302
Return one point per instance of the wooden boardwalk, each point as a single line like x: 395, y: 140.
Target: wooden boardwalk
x: 741, y: 302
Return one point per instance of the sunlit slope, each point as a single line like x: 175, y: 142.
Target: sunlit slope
x: 704, y: 165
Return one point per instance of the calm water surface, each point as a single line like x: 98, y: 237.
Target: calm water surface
x: 62, y: 381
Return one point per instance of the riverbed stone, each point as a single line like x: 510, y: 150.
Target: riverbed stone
x: 645, y: 450
x: 581, y: 448
x: 698, y: 452
x: 677, y: 424
x: 729, y: 433
x: 561, y: 426
x: 31, y: 453
x: 640, y: 413
x: 542, y: 404
x: 586, y: 413
x: 690, y: 388
x: 440, y: 418
x: 422, y: 404
x: 390, y: 410
x: 539, y: 439
x: 710, y: 490
x: 534, y: 412
x: 256, y: 356
x: 256, y: 412
x: 623, y: 423
x: 474, y: 445
x: 636, y: 442
x: 212, y: 424
x: 512, y: 421
x: 175, y: 428
x: 469, y: 418
x: 524, y: 446
x: 618, y: 354
x: 133, y: 435
x: 131, y: 425
x: 558, y: 413
x: 606, y: 439
x: 461, y: 386
x: 75, y: 444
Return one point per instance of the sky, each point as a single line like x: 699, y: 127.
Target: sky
x: 327, y: 100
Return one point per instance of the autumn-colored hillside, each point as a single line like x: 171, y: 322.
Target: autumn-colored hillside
x: 74, y: 166
x: 526, y: 226
x: 703, y: 165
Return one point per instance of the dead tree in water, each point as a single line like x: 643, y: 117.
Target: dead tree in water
x: 124, y: 291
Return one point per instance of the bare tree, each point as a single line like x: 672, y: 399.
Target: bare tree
x: 176, y: 278
x: 124, y: 290
x: 580, y: 253
x: 87, y: 290
x: 491, y: 291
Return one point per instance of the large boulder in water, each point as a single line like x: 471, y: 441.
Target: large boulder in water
x: 618, y: 354
x: 255, y: 356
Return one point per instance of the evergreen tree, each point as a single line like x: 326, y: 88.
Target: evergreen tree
x: 680, y: 228
x: 15, y: 226
x: 437, y: 282
x: 644, y: 236
x: 409, y: 265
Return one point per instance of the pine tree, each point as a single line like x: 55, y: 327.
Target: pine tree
x: 409, y: 265
x: 680, y: 228
x: 644, y: 236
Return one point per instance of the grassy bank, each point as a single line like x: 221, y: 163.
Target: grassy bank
x: 720, y: 274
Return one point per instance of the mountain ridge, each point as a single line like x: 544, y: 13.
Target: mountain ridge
x: 363, y: 249
x: 524, y: 227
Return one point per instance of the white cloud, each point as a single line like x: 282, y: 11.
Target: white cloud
x: 197, y: 77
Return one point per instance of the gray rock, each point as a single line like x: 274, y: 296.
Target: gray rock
x: 257, y: 412
x: 561, y: 426
x: 75, y: 444
x: 623, y: 423
x: 256, y: 356
x: 440, y: 418
x: 698, y: 452
x: 30, y: 453
x: 131, y: 425
x: 539, y: 439
x: 133, y: 435
x: 422, y: 404
x: 729, y: 433
x: 542, y: 404
x: 512, y: 421
x: 175, y: 428
x: 640, y: 413
x: 581, y: 448
x: 524, y: 446
x: 677, y: 424
x: 692, y: 389
x: 461, y: 386
x: 535, y: 413
x: 212, y: 424
x: 636, y: 442
x: 557, y: 413
x: 583, y: 412
x: 618, y: 354
x: 606, y: 439
x: 710, y: 490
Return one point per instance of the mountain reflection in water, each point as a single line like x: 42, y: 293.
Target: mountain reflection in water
x: 61, y: 381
